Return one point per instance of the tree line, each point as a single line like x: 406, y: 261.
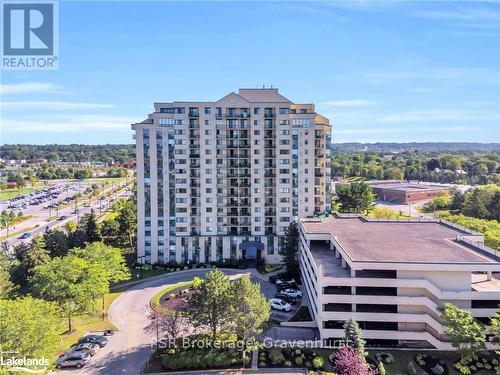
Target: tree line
x: 61, y: 274
x: 470, y: 168
x: 69, y: 153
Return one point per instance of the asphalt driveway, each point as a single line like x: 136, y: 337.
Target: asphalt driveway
x: 129, y: 349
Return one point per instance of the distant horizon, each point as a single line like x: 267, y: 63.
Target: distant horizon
x: 334, y: 143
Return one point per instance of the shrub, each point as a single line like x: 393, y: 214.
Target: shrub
x: 307, y: 364
x: 411, y: 369
x: 287, y: 364
x: 437, y: 370
x: 262, y: 364
x: 318, y: 362
x: 276, y: 356
x: 196, y: 282
x: 299, y: 361
x: 297, y: 351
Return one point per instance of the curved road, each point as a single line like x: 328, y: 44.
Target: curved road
x: 128, y: 349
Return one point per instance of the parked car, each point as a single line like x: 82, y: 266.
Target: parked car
x: 283, y: 280
x: 73, y: 360
x: 279, y: 304
x: 288, y: 285
x: 294, y: 293
x: 82, y: 348
x: 24, y: 236
x: 284, y: 297
x: 94, y: 339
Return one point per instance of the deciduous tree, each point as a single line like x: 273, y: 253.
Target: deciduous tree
x: 29, y: 327
x: 466, y: 334
x: 250, y: 311
x: 348, y: 361
x: 72, y: 283
x: 356, y: 197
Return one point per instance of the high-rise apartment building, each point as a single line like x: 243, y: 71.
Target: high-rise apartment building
x: 221, y: 180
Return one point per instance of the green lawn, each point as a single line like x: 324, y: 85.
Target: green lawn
x: 88, y: 323
x: 12, y: 193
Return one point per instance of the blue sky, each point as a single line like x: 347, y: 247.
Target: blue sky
x: 382, y: 71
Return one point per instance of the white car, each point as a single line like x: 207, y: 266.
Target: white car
x: 279, y: 304
x: 292, y: 293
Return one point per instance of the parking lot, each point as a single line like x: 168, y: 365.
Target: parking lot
x: 51, y: 207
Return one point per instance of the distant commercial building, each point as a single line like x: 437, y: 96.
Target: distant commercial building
x: 404, y: 192
x: 222, y: 180
x: 393, y: 277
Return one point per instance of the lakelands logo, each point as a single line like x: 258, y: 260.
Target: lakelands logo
x: 30, y: 35
x: 24, y: 365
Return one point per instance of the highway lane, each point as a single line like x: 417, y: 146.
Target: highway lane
x: 67, y: 212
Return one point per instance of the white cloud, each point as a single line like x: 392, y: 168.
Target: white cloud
x: 440, y: 115
x: 349, y: 103
x: 473, y: 13
x: 51, y: 105
x: 378, y: 130
x: 456, y: 76
x: 67, y: 124
x: 27, y: 87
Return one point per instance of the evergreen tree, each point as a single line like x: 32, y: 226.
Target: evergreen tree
x: 29, y: 256
x: 91, y: 228
x: 353, y: 337
x: 6, y: 286
x: 475, y: 203
x: 56, y: 242
x: 381, y: 369
x: 291, y: 248
x: 457, y: 201
x: 210, y: 306
x: 494, y: 207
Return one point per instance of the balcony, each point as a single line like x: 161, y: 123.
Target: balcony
x: 194, y: 113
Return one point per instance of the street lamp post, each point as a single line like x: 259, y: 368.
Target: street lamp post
x: 141, y: 263
x: 155, y: 319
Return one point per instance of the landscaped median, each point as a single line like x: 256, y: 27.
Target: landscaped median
x: 206, y: 324
x: 171, y: 289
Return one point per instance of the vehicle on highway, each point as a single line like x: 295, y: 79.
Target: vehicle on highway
x: 24, y: 236
x: 94, y: 339
x: 287, y: 299
x: 279, y: 304
x: 61, y: 218
x: 294, y: 293
x: 77, y: 360
x: 82, y: 348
